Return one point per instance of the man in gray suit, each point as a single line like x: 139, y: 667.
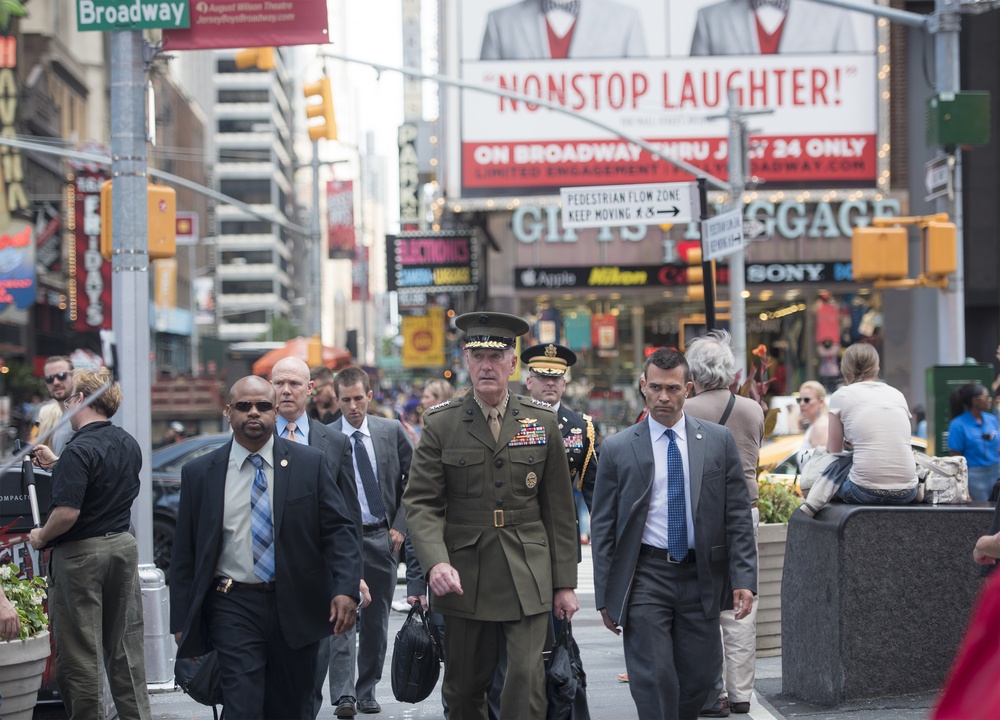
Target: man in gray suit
x: 767, y: 27
x: 671, y: 523
x: 555, y: 29
x: 382, y: 454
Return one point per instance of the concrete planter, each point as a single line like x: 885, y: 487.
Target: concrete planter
x: 22, y: 663
x: 770, y: 561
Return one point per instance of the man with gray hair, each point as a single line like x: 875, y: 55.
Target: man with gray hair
x: 713, y: 368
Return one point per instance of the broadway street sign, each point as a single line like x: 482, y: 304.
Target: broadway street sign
x: 131, y: 14
x: 617, y: 205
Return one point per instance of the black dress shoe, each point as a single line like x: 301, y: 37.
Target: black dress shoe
x: 369, y: 707
x: 720, y: 709
x: 740, y: 707
x: 345, y: 707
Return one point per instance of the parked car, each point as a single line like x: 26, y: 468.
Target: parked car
x: 166, y: 473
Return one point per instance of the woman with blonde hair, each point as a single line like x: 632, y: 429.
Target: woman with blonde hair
x: 48, y: 415
x: 435, y: 391
x: 874, y: 419
x: 812, y: 409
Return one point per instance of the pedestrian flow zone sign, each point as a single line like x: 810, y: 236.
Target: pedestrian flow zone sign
x: 617, y: 205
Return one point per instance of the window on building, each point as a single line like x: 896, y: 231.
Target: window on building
x: 253, y: 192
x: 256, y: 257
x: 241, y: 155
x: 247, y: 287
x: 246, y: 227
x: 244, y: 125
x: 244, y: 96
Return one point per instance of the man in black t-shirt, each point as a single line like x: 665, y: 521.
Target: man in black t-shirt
x: 95, y: 598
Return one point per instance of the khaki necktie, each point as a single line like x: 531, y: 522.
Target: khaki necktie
x: 494, y: 422
x: 290, y: 432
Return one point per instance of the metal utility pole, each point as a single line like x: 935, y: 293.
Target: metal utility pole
x: 316, y: 255
x: 130, y: 317
x: 946, y: 24
x: 130, y: 260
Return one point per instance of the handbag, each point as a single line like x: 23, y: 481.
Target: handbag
x: 945, y: 479
x: 201, y: 678
x: 565, y: 680
x: 416, y: 658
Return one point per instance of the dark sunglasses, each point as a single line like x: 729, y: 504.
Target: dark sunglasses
x: 803, y: 401
x: 262, y: 406
x: 61, y: 377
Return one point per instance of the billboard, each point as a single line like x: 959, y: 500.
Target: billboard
x: 90, y: 273
x: 340, y: 219
x: 432, y: 262
x: 252, y: 23
x: 657, y: 70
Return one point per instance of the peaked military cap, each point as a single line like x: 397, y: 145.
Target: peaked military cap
x: 491, y: 330
x: 549, y: 359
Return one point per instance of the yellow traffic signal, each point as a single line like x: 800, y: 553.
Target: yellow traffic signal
x: 879, y: 253
x: 941, y: 245
x: 695, y: 274
x: 314, y: 352
x: 324, y: 109
x: 261, y: 58
x: 161, y: 221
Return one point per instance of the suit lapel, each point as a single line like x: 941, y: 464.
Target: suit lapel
x: 696, y: 460
x: 798, y: 25
x: 478, y: 428
x: 317, y: 435
x: 531, y: 32
x: 380, y: 441
x: 282, y: 476
x: 215, y: 490
x: 740, y: 21
x: 646, y: 469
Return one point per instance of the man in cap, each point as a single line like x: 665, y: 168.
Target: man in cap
x: 490, y: 511
x: 548, y: 371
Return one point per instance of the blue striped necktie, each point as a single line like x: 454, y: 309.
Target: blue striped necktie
x: 261, y: 529
x: 677, y: 534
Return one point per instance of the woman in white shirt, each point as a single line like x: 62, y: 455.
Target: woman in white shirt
x: 812, y: 410
x: 875, y: 419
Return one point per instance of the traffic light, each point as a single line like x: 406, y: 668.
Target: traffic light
x: 261, y: 58
x: 161, y: 221
x: 941, y: 256
x: 324, y: 109
x: 879, y: 253
x: 695, y: 274
x: 314, y: 356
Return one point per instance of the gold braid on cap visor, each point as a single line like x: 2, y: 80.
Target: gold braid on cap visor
x: 491, y: 342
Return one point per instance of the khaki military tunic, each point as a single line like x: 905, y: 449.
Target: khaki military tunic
x: 500, y: 512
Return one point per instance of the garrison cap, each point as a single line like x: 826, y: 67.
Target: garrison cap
x: 491, y: 330
x: 550, y: 359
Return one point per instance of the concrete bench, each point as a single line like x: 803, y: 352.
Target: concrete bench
x: 874, y: 599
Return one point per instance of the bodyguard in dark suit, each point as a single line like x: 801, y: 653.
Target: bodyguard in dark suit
x: 548, y: 367
x: 382, y: 454
x: 265, y: 563
x: 290, y: 378
x: 671, y: 524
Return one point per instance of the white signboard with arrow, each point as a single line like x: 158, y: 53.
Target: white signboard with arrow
x: 722, y: 235
x: 617, y: 205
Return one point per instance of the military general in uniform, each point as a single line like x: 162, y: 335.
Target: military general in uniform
x: 548, y: 370
x: 490, y: 510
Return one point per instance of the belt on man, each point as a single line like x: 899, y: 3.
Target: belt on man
x: 886, y: 493
x: 373, y: 527
x: 496, y: 518
x: 264, y: 587
x: 661, y: 554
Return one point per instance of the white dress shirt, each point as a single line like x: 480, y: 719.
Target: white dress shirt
x: 655, y: 532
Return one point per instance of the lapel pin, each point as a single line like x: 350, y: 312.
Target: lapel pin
x: 284, y: 462
x: 698, y: 436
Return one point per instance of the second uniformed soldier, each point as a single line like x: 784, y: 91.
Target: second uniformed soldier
x: 490, y: 511
x: 548, y: 366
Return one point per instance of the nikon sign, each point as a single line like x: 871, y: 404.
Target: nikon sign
x: 131, y: 15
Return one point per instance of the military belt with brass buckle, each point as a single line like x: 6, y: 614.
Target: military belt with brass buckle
x: 498, y: 518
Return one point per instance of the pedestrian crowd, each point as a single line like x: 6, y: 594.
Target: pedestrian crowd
x: 289, y: 535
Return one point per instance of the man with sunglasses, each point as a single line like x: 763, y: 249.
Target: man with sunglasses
x: 58, y: 376
x: 266, y: 561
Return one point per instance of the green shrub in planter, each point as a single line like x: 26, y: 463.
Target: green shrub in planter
x: 776, y: 502
x: 26, y: 595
